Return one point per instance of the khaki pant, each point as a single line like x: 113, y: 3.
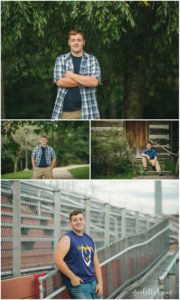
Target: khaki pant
x: 43, y: 173
x: 71, y: 114
x: 145, y: 162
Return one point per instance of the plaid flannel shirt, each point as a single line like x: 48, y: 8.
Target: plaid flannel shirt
x: 49, y: 154
x: 89, y: 66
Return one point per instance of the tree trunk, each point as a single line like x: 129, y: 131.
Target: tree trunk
x: 134, y: 82
x: 136, y: 132
x: 113, y: 108
x: 2, y: 92
x: 16, y: 161
x: 15, y: 165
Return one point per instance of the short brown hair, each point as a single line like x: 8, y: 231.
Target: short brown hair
x: 75, y: 213
x: 44, y: 137
x: 74, y: 32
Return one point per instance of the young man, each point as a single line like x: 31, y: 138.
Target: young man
x: 76, y: 257
x: 43, y: 160
x: 77, y: 74
x: 150, y: 155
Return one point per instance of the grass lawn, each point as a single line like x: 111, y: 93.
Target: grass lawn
x: 119, y: 176
x: 18, y: 175
x: 80, y: 173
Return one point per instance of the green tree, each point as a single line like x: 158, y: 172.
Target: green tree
x: 14, y: 142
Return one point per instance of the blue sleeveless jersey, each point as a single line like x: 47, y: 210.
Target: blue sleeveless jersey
x: 80, y: 257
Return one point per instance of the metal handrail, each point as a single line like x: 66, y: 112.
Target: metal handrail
x: 168, y: 277
x: 164, y: 275
x: 134, y: 246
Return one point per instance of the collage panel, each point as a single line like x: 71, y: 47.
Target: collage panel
x: 124, y: 149
x: 45, y: 150
x: 131, y: 59
x: 131, y: 228
x: 89, y: 149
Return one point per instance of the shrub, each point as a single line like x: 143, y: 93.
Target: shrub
x: 110, y: 152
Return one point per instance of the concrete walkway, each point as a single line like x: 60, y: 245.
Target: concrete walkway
x: 63, y: 172
x: 156, y: 177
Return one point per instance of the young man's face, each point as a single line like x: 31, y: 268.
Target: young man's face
x: 77, y: 223
x: 76, y: 43
x: 43, y: 142
x: 149, y: 146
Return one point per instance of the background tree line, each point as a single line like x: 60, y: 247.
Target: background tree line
x: 136, y: 43
x: 70, y: 141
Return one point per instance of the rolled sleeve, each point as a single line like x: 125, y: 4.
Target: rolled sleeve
x: 95, y: 70
x: 58, y: 69
x: 155, y: 154
x: 53, y: 154
x: 33, y: 155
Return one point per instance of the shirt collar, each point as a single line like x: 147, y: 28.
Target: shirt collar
x: 68, y: 55
x: 42, y: 147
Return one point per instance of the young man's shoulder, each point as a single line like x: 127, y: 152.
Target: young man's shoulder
x: 62, y: 56
x: 90, y: 56
x: 37, y: 147
x: 49, y: 147
x: 88, y: 236
x: 153, y: 151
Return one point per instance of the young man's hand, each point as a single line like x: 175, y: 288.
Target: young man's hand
x: 99, y: 289
x: 147, y: 156
x: 69, y: 74
x: 153, y: 163
x: 76, y: 281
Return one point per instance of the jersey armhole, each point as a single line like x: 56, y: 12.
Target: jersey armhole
x: 68, y: 237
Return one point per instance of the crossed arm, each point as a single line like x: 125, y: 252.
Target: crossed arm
x: 73, y: 80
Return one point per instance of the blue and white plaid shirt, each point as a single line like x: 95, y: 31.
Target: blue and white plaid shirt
x: 89, y: 66
x: 49, y: 155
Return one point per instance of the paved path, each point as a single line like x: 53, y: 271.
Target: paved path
x: 63, y: 172
x: 156, y: 177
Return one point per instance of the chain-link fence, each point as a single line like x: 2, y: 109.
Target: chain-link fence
x: 35, y: 215
x: 7, y: 231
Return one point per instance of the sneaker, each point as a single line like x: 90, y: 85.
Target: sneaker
x: 145, y: 169
x: 160, y: 174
